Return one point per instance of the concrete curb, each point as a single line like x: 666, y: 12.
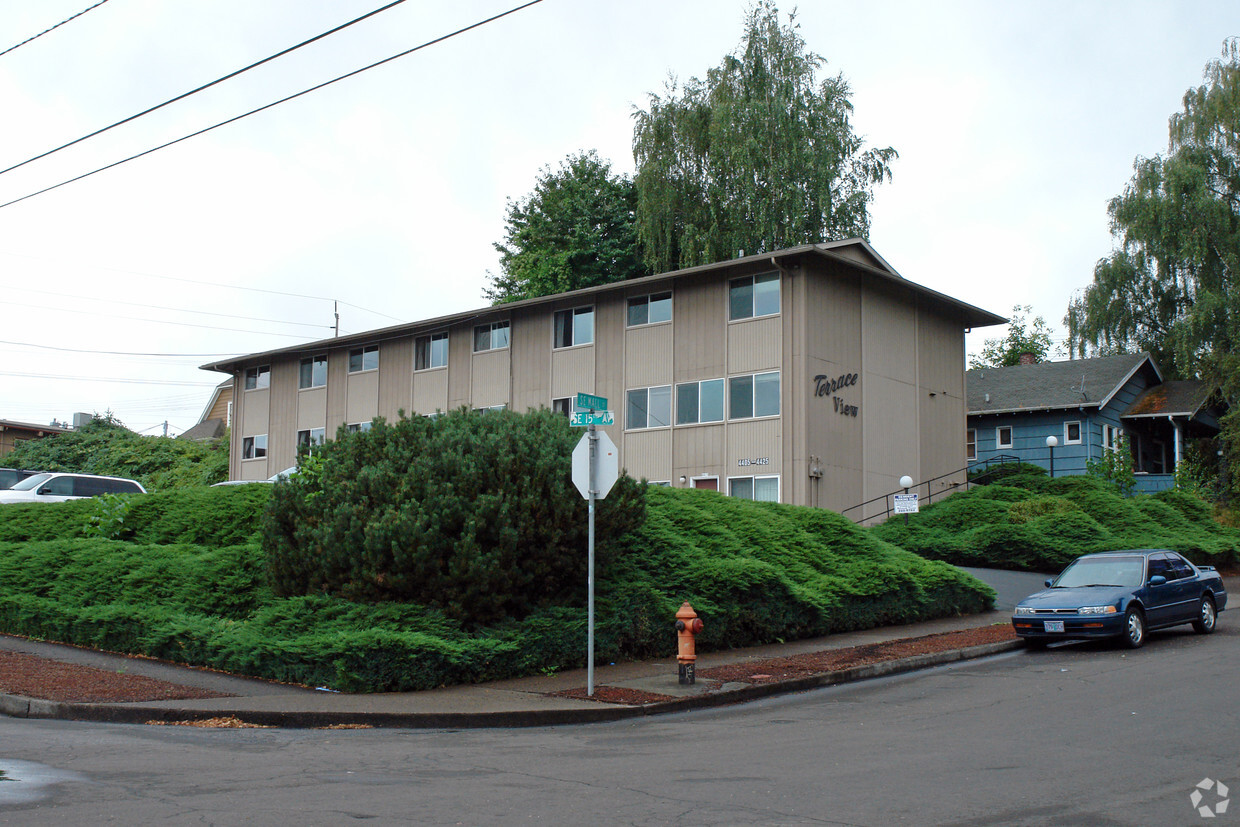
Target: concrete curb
x: 17, y: 706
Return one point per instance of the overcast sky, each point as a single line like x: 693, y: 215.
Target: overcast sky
x: 1015, y: 123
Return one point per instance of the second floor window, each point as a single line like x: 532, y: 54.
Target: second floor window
x: 432, y: 351
x: 753, y: 396
x: 649, y: 408
x: 257, y: 378
x: 699, y: 402
x: 574, y: 327
x: 492, y: 336
x: 312, y: 372
x: 364, y: 358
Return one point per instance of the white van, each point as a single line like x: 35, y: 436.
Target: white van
x: 54, y: 488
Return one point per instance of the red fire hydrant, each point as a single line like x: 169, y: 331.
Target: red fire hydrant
x: 688, y: 625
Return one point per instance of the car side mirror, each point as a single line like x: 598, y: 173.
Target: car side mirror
x: 1157, y: 580
x: 45, y: 490
x: 1049, y: 580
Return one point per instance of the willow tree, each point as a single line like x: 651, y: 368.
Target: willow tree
x: 1172, y: 285
x: 759, y: 156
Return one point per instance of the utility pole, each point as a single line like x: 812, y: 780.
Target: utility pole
x: 165, y: 427
x: 336, y: 312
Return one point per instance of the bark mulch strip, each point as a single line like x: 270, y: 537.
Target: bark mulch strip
x: 51, y: 680
x: 789, y: 667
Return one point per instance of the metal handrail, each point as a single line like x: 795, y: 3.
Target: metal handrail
x: 985, y: 469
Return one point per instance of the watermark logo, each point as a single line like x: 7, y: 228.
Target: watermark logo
x: 1198, y: 796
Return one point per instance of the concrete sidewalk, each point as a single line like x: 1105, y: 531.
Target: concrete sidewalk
x: 509, y: 703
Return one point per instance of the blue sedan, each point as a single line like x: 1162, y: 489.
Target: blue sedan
x: 1122, y: 594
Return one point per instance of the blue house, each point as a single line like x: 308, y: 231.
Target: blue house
x: 1087, y: 405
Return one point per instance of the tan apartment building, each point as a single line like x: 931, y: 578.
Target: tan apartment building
x: 815, y: 375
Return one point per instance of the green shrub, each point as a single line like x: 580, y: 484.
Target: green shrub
x: 1026, y: 510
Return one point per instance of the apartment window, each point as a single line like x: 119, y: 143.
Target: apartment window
x: 563, y: 406
x: 254, y: 447
x: 364, y: 358
x: 257, y: 378
x: 1111, y: 437
x: 574, y: 327
x: 651, y: 309
x: 754, y: 296
x: 1072, y: 433
x: 492, y: 336
x: 649, y: 408
x: 310, y: 439
x: 431, y: 351
x: 699, y: 402
x: 313, y: 372
x: 970, y: 444
x: 360, y: 427
x: 490, y: 409
x: 1003, y: 437
x: 753, y: 396
x: 762, y: 489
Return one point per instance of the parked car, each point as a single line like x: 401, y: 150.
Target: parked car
x: 60, y: 487
x: 1122, y: 594
x: 11, y: 476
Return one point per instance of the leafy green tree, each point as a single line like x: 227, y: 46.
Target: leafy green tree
x: 576, y: 229
x: 759, y: 156
x: 471, y: 513
x: 105, y: 446
x: 1172, y: 286
x: 1022, y: 337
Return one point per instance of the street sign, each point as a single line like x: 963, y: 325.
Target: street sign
x: 580, y: 419
x: 905, y: 503
x: 590, y: 402
x: 606, y: 472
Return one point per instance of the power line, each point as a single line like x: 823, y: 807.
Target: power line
x: 57, y: 26
x: 273, y: 104
x: 118, y: 352
x: 218, y: 284
x: 154, y: 321
x: 204, y: 86
x: 163, y: 307
x: 115, y: 379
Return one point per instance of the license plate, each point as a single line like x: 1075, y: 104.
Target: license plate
x: 1052, y: 625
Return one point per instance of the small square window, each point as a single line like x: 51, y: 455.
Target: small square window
x: 364, y: 358
x: 492, y: 336
x: 1003, y: 437
x: 312, y: 372
x: 258, y: 378
x: 574, y: 327
x: 1072, y: 433
x: 431, y: 351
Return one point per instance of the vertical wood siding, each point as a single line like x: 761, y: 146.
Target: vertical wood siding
x: 395, y: 377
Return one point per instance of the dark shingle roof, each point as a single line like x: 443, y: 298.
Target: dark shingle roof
x: 1182, y: 397
x: 1077, y: 383
x: 207, y: 429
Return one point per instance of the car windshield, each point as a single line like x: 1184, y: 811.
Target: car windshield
x: 31, y: 483
x: 1101, y: 571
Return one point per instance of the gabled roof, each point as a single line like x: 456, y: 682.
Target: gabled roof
x: 1076, y: 383
x: 206, y: 429
x: 852, y: 252
x: 9, y: 425
x: 226, y: 385
x: 1183, y: 397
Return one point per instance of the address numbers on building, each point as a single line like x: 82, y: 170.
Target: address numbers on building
x: 745, y: 463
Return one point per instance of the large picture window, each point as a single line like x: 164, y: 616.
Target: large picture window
x: 364, y: 358
x: 257, y: 378
x: 431, y: 351
x: 699, y: 402
x: 492, y: 336
x: 649, y: 408
x: 574, y: 327
x: 754, y: 296
x: 762, y: 489
x: 652, y: 309
x: 753, y: 396
x: 313, y: 372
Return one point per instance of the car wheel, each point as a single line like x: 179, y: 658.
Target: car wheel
x: 1134, y: 628
x: 1206, y: 617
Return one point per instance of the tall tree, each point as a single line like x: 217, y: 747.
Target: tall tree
x: 1021, y: 338
x: 758, y: 156
x: 1172, y: 286
x: 576, y: 229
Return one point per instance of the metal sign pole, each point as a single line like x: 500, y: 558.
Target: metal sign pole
x: 593, y: 436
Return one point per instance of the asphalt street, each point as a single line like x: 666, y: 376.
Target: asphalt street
x: 1079, y: 734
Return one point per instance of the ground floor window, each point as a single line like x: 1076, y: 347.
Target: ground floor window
x: 357, y: 427
x: 1111, y: 437
x: 970, y: 444
x: 762, y: 489
x: 564, y: 405
x: 254, y: 447
x: 1003, y: 437
x: 1072, y: 433
x: 310, y: 439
